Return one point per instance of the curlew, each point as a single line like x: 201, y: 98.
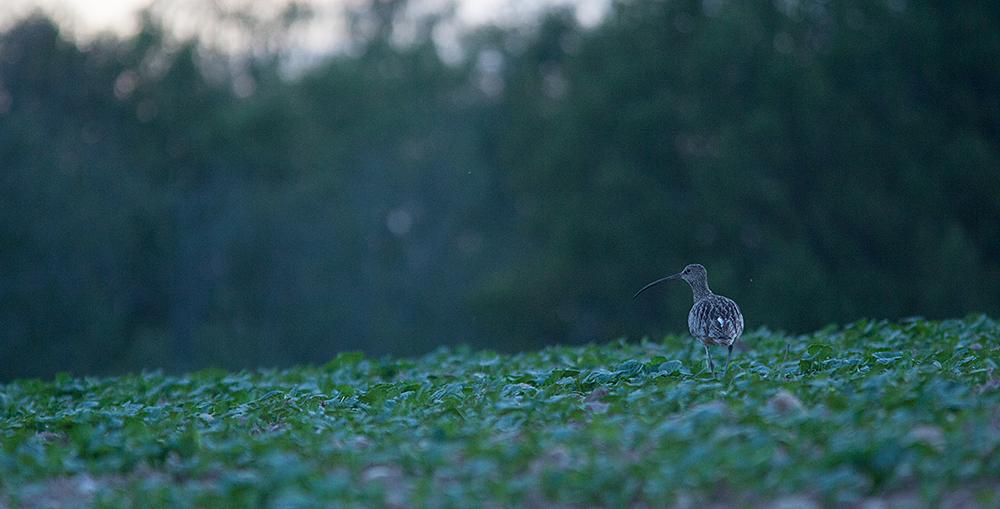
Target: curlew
x: 714, y: 320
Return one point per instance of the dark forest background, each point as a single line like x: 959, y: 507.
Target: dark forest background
x: 166, y: 205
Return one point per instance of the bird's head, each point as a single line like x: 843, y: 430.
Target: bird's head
x: 691, y: 274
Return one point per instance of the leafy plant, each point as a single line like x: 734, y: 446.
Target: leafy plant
x: 872, y: 411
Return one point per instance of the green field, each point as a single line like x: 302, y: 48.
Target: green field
x: 872, y: 414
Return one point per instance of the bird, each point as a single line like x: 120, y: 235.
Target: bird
x: 714, y: 320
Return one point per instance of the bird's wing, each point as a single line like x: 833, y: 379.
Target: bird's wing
x: 716, y: 317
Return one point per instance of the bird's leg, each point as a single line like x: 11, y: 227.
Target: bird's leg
x: 728, y: 357
x: 711, y: 365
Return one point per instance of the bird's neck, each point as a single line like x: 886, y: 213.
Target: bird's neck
x: 700, y: 289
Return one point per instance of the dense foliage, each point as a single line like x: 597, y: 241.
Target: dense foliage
x: 164, y: 206
x: 873, y: 414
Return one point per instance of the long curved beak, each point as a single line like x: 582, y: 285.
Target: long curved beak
x: 675, y: 276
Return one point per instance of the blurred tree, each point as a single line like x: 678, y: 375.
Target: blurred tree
x: 163, y: 204
x: 798, y: 150
x: 64, y: 239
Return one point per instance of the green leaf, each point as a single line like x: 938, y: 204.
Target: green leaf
x: 670, y: 367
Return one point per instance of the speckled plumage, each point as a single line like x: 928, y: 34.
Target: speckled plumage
x: 714, y: 320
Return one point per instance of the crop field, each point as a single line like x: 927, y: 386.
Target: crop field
x: 873, y: 414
